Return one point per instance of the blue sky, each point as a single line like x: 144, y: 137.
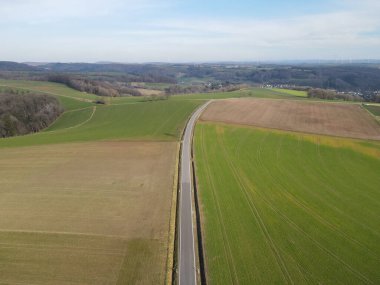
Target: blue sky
x: 188, y: 31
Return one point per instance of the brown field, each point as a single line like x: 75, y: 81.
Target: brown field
x: 337, y: 119
x: 89, y: 213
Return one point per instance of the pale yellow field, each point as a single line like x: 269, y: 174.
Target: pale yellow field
x: 89, y: 213
x: 149, y: 92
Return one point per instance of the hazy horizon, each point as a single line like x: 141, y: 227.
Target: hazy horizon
x: 177, y: 31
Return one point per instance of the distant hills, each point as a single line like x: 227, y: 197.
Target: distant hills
x: 14, y: 66
x: 358, y: 76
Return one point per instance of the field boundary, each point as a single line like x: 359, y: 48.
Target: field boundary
x: 201, y: 255
x: 170, y: 261
x: 174, y: 279
x: 245, y: 125
x: 377, y: 118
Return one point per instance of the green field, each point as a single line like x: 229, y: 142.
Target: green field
x: 292, y: 92
x: 374, y: 109
x: 286, y: 208
x: 126, y: 118
x: 162, y: 120
x: 251, y: 92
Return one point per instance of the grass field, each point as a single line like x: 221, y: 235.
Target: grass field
x: 251, y: 92
x: 288, y: 208
x: 374, y: 109
x: 291, y: 92
x: 63, y: 92
x: 161, y: 120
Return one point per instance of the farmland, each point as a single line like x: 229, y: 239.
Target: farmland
x: 248, y: 92
x: 161, y: 120
x: 374, y: 109
x: 89, y: 199
x: 280, y: 207
x: 297, y: 93
x: 347, y: 120
x: 88, y: 213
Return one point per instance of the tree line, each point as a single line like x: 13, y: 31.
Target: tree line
x: 100, y: 88
x: 328, y: 94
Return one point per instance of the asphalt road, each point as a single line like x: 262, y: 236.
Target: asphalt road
x: 187, y: 264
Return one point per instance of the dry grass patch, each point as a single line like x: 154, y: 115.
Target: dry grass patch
x: 337, y: 119
x: 149, y: 92
x: 90, y: 213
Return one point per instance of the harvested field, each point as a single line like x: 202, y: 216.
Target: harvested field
x: 90, y: 213
x: 337, y: 119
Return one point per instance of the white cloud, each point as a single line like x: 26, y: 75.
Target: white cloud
x: 352, y: 32
x: 37, y: 11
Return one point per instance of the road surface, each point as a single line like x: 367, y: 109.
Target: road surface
x: 187, y: 264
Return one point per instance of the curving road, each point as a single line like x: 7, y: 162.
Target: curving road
x: 187, y: 264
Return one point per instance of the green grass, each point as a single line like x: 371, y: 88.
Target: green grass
x: 71, y: 119
x: 64, y: 93
x: 374, y: 109
x: 283, y: 208
x: 161, y: 120
x: 251, y: 92
x: 48, y: 88
x: 292, y: 92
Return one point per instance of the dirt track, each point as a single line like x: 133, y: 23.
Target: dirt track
x: 337, y: 119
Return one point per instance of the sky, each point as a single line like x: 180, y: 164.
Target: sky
x: 133, y: 31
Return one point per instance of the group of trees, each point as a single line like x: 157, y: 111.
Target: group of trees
x: 204, y: 88
x: 98, y: 87
x: 331, y: 95
x: 26, y: 113
x: 355, y: 77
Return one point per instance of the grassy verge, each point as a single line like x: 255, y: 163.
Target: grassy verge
x: 172, y: 224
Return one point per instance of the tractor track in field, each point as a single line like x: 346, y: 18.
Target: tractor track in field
x: 256, y: 214
x: 78, y: 125
x: 244, y: 182
x: 226, y: 245
x: 291, y: 223
x: 303, y: 205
